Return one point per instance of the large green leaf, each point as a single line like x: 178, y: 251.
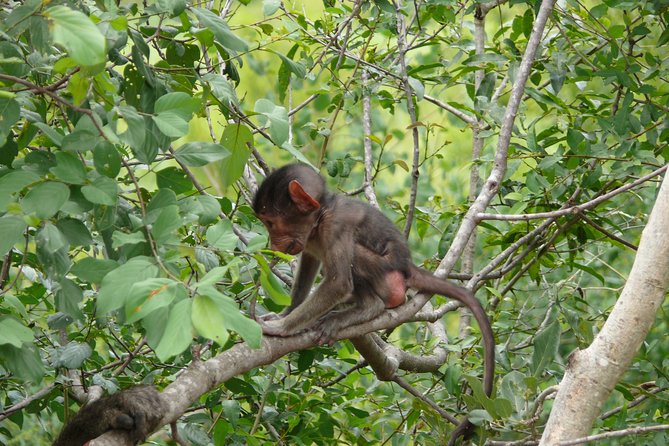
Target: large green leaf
x: 201, y: 153
x: 208, y: 319
x: 151, y: 294
x: 11, y: 231
x: 93, y: 270
x: 103, y: 190
x: 239, y: 139
x: 277, y: 117
x: 13, y: 332
x: 171, y: 124
x: 77, y: 34
x: 178, y: 331
x: 181, y: 104
x: 166, y: 224
x: 221, y: 31
x: 13, y: 182
x: 68, y: 298
x: 45, y: 199
x: 221, y: 236
x: 10, y: 112
x: 24, y: 362
x: 50, y: 238
x: 106, y: 159
x: 69, y: 168
x: 546, y: 345
x: 116, y: 284
x: 222, y: 89
x: 135, y: 134
x: 234, y: 320
x: 72, y: 355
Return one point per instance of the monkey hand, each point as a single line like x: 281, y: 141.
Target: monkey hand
x: 137, y: 411
x: 271, y: 316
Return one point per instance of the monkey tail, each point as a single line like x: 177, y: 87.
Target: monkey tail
x: 424, y: 281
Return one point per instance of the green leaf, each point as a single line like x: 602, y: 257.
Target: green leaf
x: 269, y: 7
x: 11, y: 232
x: 208, y: 319
x: 117, y: 283
x: 13, y: 332
x: 171, y: 124
x: 82, y: 139
x: 75, y: 32
x: 216, y: 274
x: 45, y: 199
x: 69, y: 168
x: 73, y: 355
x: 93, y: 270
x: 24, y: 362
x: 221, y: 31
x: 103, y: 190
x: 9, y: 115
x: 68, y: 298
x: 13, y: 182
x: 234, y: 320
x: 239, y: 139
x: 270, y: 283
x: 197, y: 154
x: 162, y: 199
x: 546, y: 345
x: 221, y: 236
x: 478, y: 416
x: 166, y: 224
x: 178, y: 333
x: 247, y: 328
x: 106, y: 159
x: 174, y: 179
x: 574, y: 138
x: 417, y: 87
x: 136, y: 133
x: 179, y: 103
x: 174, y: 7
x: 295, y: 67
x: 151, y: 294
x: 277, y: 117
x: 590, y: 270
x: 50, y: 238
x: 206, y: 207
x: 173, y: 112
x: 75, y: 231
x: 222, y: 89
x: 122, y: 239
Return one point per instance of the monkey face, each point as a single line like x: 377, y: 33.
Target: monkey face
x: 289, y: 235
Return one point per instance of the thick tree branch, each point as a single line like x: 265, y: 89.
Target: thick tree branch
x: 592, y: 373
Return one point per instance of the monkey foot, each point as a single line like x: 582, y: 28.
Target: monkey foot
x: 271, y: 316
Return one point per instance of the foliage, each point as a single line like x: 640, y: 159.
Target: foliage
x: 129, y: 140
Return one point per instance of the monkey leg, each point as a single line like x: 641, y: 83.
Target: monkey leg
x: 363, y: 308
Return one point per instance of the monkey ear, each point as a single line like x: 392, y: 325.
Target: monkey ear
x: 304, y: 202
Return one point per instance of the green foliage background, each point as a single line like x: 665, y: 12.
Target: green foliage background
x: 128, y: 242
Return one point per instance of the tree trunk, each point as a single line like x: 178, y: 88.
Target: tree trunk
x: 592, y: 373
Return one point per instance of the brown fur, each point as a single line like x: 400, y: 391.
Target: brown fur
x: 137, y: 411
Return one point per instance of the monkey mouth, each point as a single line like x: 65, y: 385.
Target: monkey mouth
x: 293, y: 248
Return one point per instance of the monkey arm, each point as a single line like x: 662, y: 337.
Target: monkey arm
x: 336, y: 288
x: 306, y: 274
